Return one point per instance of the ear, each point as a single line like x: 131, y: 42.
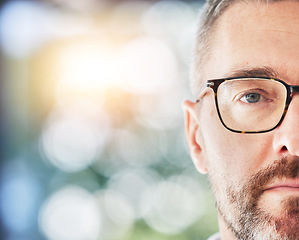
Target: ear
x: 193, y: 136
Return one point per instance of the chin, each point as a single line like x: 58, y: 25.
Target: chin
x: 281, y: 223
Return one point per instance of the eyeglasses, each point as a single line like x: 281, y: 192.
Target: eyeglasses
x: 251, y: 105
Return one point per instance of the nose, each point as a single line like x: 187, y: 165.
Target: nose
x: 286, y: 138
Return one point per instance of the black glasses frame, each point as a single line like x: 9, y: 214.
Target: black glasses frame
x: 215, y: 83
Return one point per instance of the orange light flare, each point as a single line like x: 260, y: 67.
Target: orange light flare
x: 78, y: 70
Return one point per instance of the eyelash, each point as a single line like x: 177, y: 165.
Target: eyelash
x: 253, y: 91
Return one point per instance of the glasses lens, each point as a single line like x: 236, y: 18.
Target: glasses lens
x: 251, y: 105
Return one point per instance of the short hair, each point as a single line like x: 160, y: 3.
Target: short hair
x: 212, y: 10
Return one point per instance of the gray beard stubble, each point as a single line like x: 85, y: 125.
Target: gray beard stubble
x: 251, y: 222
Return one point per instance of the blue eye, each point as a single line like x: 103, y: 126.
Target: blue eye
x: 251, y: 98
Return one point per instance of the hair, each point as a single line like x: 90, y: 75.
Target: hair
x: 212, y: 10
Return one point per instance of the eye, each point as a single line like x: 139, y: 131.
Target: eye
x: 251, y: 98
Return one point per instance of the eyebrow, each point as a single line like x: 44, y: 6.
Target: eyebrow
x: 253, y: 72
x: 238, y: 72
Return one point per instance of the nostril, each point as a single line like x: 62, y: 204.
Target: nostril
x: 284, y: 148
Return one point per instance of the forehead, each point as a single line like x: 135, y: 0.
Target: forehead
x: 252, y: 35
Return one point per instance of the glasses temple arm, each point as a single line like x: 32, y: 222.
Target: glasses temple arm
x: 201, y: 92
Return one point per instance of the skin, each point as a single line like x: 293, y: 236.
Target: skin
x: 244, y: 41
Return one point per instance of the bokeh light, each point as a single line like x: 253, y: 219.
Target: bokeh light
x: 118, y: 215
x: 23, y: 34
x: 71, y: 214
x: 174, y: 205
x: 72, y: 143
x: 86, y: 66
x: 135, y: 147
x: 148, y: 66
x: 93, y: 139
x: 134, y: 184
x: 167, y: 18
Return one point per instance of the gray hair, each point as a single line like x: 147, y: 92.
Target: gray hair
x: 210, y: 13
x: 212, y: 10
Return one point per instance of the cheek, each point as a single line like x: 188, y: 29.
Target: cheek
x: 231, y: 155
x: 236, y: 157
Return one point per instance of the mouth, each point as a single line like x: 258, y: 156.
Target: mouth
x: 288, y: 185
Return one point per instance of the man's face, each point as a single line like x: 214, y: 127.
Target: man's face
x: 255, y: 177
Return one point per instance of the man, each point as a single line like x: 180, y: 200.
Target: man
x: 243, y: 128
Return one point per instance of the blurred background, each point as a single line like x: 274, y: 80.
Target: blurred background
x: 91, y: 126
